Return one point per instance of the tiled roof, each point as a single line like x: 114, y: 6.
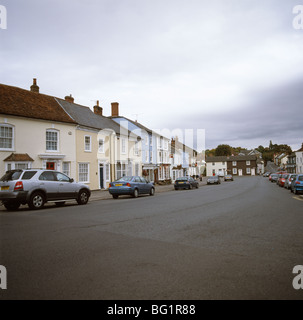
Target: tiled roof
x: 24, y: 103
x: 18, y: 157
x: 230, y: 158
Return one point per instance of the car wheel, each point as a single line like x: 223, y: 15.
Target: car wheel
x: 11, y: 206
x: 295, y: 191
x: 115, y: 196
x: 136, y: 193
x: 197, y: 186
x: 152, y: 192
x: 83, y: 197
x: 36, y: 201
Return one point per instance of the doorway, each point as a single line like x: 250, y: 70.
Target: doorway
x: 50, y: 165
x: 101, y: 176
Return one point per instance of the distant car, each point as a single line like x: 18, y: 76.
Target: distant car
x: 228, y: 177
x: 297, y: 184
x: 273, y: 177
x: 131, y: 185
x: 289, y: 179
x: 186, y: 183
x: 213, y: 180
x: 35, y: 187
x: 281, y: 180
x: 266, y: 174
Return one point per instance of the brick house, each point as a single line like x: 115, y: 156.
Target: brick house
x: 242, y: 165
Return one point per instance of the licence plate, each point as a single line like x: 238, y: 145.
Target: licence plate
x: 4, y: 188
x: 181, y: 182
x: 118, y: 185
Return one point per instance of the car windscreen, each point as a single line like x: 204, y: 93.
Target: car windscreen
x: 11, y: 175
x: 300, y: 178
x: 129, y: 178
x: 182, y: 179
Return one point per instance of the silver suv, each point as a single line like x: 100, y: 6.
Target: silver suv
x: 35, y: 187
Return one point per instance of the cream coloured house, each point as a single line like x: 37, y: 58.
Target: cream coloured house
x: 35, y: 132
x: 105, y: 150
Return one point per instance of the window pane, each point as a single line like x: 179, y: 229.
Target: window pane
x: 6, y: 137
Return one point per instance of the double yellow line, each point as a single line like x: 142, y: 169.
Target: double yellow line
x: 298, y: 198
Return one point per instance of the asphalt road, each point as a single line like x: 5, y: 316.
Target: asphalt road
x: 237, y: 240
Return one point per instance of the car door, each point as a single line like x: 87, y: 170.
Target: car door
x: 66, y: 189
x: 49, y: 183
x: 144, y: 185
x: 138, y: 184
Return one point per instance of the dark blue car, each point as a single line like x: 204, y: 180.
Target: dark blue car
x: 131, y: 185
x: 297, y: 184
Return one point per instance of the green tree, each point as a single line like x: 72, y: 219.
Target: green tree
x: 223, y: 150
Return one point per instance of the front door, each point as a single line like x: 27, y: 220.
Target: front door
x: 240, y: 172
x: 50, y: 165
x: 101, y: 176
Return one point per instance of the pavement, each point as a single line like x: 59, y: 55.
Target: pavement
x: 104, y: 194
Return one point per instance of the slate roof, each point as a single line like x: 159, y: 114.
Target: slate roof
x: 84, y: 116
x: 230, y: 158
x: 24, y: 103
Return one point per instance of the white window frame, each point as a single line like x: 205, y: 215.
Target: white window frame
x: 123, y: 146
x: 5, y: 125
x: 66, y: 171
x: 122, y: 171
x: 248, y: 162
x: 234, y: 163
x: 235, y: 171
x: 136, y: 148
x: 57, y: 141
x: 88, y: 146
x: 101, y: 148
x: 248, y: 171
x: 107, y: 171
x: 80, y: 179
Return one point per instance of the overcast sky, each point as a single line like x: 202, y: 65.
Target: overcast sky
x: 231, y: 67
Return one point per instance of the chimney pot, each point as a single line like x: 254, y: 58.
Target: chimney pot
x: 115, y: 109
x: 69, y: 98
x: 34, y: 87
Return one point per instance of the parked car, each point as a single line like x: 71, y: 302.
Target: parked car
x: 228, y: 177
x: 273, y: 177
x: 297, y: 184
x: 281, y: 180
x: 213, y: 180
x: 131, y: 185
x: 266, y: 174
x: 35, y: 187
x: 289, y: 180
x: 186, y: 183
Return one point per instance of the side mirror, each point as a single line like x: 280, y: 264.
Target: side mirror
x: 71, y: 180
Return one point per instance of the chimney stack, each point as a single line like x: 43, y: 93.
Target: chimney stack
x: 98, y: 110
x: 69, y: 99
x: 34, y: 87
x: 115, y: 109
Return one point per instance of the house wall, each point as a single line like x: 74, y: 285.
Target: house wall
x: 241, y: 165
x: 216, y: 167
x: 30, y: 138
x: 299, y: 161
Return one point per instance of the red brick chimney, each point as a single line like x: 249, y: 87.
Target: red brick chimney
x: 69, y: 99
x: 115, y: 109
x: 34, y: 87
x: 98, y: 110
